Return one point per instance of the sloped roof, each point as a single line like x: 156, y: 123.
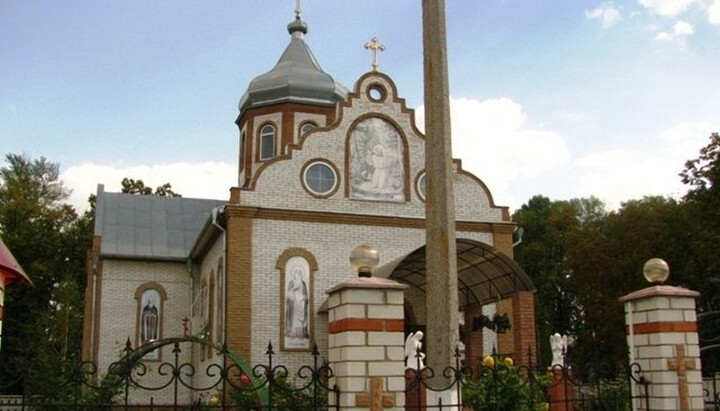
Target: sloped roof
x: 153, y: 227
x: 484, y: 274
x: 9, y: 267
x: 297, y: 77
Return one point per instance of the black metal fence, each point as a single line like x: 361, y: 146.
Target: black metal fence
x: 228, y: 382
x: 497, y: 384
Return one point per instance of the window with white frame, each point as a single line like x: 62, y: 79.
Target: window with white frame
x: 267, y: 142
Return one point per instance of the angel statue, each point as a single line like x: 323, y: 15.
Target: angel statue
x: 558, y: 345
x: 412, y: 351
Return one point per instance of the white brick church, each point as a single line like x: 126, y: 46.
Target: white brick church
x: 321, y: 169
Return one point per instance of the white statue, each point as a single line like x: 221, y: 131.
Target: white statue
x: 412, y: 348
x: 558, y: 345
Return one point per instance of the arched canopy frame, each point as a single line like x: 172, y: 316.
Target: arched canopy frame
x: 485, y: 274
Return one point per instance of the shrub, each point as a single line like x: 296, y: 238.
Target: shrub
x: 500, y: 386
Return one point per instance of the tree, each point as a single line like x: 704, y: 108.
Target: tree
x: 543, y: 255
x: 131, y: 186
x: 702, y: 200
x: 42, y: 326
x: 582, y: 258
x: 606, y: 260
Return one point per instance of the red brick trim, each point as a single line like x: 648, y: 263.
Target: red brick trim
x: 394, y: 325
x: 664, y: 327
x: 365, y: 324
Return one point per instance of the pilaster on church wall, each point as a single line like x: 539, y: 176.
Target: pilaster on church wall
x: 119, y: 312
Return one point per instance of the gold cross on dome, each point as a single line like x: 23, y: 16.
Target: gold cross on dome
x: 298, y: 9
x: 376, y: 47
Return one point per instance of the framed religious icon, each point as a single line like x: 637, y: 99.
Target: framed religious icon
x: 376, y: 158
x: 296, y: 316
x: 149, y: 321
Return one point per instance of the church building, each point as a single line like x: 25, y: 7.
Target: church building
x: 321, y: 170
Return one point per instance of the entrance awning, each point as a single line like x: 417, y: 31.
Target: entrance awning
x: 484, y: 274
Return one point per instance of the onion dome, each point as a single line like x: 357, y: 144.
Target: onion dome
x: 297, y: 77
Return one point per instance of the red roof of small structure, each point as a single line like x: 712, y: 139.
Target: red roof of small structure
x: 9, y: 267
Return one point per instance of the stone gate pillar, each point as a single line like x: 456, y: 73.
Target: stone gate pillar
x: 366, y: 343
x: 663, y: 340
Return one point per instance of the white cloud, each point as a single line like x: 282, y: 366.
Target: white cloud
x: 619, y: 175
x: 680, y: 31
x: 495, y: 143
x: 606, y: 13
x: 197, y: 180
x: 694, y: 132
x: 669, y: 8
x: 714, y: 12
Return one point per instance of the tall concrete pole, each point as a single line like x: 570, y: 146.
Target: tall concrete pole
x: 441, y: 283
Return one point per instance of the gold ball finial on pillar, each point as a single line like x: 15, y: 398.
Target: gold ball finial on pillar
x: 364, y: 259
x: 656, y: 270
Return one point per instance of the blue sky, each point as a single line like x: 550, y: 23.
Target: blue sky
x: 555, y: 97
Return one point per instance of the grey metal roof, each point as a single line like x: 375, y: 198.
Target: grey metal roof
x: 484, y: 274
x: 297, y: 77
x: 141, y: 226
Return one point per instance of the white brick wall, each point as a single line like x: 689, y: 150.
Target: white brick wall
x: 331, y: 245
x: 279, y: 186
x: 118, y: 318
x: 653, y: 350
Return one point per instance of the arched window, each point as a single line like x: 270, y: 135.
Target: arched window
x: 220, y: 317
x: 210, y: 334
x: 151, y: 299
x: 267, y: 142
x: 241, y: 154
x: 307, y: 127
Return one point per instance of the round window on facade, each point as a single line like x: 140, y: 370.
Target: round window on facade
x: 376, y: 92
x: 320, y: 179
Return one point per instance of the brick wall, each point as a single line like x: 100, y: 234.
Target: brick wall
x: 524, y: 326
x: 239, y: 271
x: 119, y: 314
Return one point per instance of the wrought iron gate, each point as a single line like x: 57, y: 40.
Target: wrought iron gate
x: 227, y: 382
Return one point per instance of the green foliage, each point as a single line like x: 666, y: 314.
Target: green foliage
x: 286, y: 396
x: 499, y: 323
x: 131, y: 186
x: 548, y: 226
x: 604, y: 396
x: 501, y: 387
x: 43, y: 322
x: 582, y: 258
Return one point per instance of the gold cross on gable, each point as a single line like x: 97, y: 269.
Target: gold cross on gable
x: 376, y: 47
x: 298, y: 9
x: 681, y: 364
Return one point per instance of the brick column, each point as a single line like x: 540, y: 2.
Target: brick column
x: 366, y: 343
x: 663, y: 340
x: 523, y: 327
